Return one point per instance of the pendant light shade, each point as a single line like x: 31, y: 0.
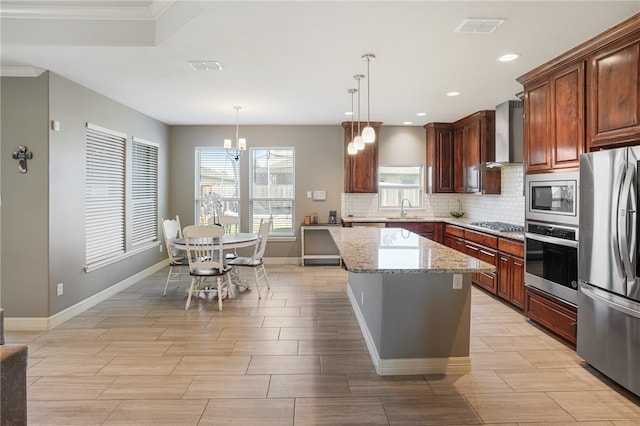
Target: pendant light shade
x: 236, y: 151
x: 368, y: 133
x: 351, y: 149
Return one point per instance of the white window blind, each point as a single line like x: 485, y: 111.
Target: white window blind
x: 272, y: 189
x: 105, y: 194
x: 216, y: 172
x: 144, y: 191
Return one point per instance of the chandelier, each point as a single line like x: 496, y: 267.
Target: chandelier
x: 235, y: 151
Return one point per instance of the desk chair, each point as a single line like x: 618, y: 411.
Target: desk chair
x: 177, y: 258
x: 256, y: 261
x: 206, y: 260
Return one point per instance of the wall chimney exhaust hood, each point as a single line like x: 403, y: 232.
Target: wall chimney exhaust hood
x: 509, y: 135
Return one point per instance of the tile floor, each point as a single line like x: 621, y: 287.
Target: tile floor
x: 296, y: 357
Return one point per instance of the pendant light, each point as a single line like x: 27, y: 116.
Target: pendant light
x: 368, y: 133
x: 351, y: 148
x: 235, y: 152
x: 357, y: 141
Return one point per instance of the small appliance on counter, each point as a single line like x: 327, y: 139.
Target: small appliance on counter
x: 333, y: 218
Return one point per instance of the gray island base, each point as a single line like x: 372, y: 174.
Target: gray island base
x: 412, y: 299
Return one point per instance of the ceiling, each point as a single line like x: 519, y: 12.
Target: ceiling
x: 292, y: 62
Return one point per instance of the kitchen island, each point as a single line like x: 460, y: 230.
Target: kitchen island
x: 412, y: 299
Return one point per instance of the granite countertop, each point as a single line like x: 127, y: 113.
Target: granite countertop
x: 464, y: 222
x: 396, y: 250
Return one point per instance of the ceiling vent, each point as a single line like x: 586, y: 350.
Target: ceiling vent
x: 206, y: 65
x: 480, y: 26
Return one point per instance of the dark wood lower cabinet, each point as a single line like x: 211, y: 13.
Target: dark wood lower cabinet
x: 551, y: 313
x: 431, y: 230
x: 505, y: 254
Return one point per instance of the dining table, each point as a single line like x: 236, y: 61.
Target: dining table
x: 232, y: 240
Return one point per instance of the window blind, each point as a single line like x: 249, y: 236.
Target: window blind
x: 105, y: 194
x: 216, y: 172
x: 272, y: 189
x: 144, y: 191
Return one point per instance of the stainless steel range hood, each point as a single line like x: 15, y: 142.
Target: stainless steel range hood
x: 509, y: 135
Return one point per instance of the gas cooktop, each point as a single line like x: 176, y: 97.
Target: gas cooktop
x: 499, y: 226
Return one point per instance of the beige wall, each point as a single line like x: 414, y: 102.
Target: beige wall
x: 318, y: 166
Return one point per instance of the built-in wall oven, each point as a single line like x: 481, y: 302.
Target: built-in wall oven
x: 551, y: 259
x: 551, y: 234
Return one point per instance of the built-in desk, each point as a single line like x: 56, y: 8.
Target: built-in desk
x: 412, y: 299
x: 305, y: 255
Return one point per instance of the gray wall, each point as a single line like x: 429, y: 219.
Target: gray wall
x: 319, y: 166
x: 25, y: 222
x: 43, y: 236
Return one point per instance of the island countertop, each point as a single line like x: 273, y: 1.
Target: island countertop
x: 396, y: 250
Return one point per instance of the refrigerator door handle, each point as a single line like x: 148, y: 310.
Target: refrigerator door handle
x: 613, y: 302
x: 626, y: 247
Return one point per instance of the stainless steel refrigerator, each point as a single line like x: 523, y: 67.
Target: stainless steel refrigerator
x: 609, y: 286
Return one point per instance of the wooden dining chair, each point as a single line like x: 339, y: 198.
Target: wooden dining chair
x: 206, y: 260
x: 177, y: 258
x: 256, y: 261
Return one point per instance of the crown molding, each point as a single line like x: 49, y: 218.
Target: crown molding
x: 19, y: 10
x: 20, y: 71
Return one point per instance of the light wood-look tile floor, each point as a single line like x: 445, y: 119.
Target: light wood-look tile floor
x: 296, y: 357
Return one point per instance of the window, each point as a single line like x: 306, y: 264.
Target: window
x: 272, y: 189
x: 144, y: 192
x: 104, y: 195
x: 218, y: 173
x: 396, y: 183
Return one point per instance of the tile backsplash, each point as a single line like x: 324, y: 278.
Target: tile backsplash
x: 506, y: 207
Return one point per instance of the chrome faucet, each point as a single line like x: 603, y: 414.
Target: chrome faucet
x: 403, y: 212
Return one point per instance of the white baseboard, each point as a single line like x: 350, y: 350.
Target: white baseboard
x: 282, y: 261
x: 407, y: 366
x: 38, y: 324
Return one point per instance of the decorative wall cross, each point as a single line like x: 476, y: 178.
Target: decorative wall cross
x: 22, y: 155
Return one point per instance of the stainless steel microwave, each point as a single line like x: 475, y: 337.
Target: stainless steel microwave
x: 552, y: 197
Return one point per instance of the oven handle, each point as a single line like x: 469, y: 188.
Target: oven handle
x: 551, y: 240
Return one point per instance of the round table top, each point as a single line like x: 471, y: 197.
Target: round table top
x: 234, y: 239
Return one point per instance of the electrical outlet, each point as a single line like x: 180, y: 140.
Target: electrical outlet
x: 60, y: 289
x: 160, y: 247
x: 362, y: 298
x: 457, y: 281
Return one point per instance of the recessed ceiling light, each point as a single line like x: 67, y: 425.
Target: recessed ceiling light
x: 205, y: 65
x: 453, y: 93
x: 348, y: 113
x: 509, y: 57
x: 421, y: 114
x: 407, y: 123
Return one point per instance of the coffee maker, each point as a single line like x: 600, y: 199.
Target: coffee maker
x: 332, y: 216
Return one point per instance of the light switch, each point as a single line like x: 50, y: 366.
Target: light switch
x: 308, y: 194
x: 55, y: 125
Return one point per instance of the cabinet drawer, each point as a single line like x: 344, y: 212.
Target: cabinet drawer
x: 454, y: 230
x: 559, y: 318
x: 486, y: 280
x: 515, y: 248
x: 488, y: 255
x: 480, y: 238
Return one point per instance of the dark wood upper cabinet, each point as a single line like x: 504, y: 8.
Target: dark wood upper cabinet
x: 583, y: 100
x: 361, y: 169
x: 439, y: 161
x: 614, y: 94
x: 458, y: 160
x: 554, y: 120
x: 474, y: 143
